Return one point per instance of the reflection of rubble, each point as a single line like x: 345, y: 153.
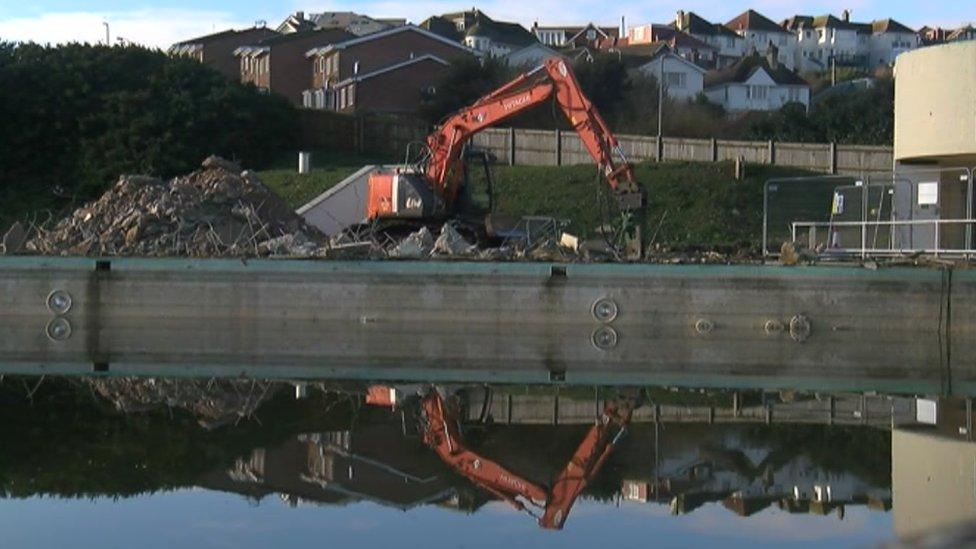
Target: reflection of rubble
x: 214, y: 403
x: 216, y: 211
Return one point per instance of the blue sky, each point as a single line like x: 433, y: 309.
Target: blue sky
x: 161, y: 22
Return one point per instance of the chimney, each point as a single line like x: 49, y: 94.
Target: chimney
x: 300, y: 15
x: 846, y: 16
x: 623, y: 26
x: 679, y: 22
x: 772, y: 56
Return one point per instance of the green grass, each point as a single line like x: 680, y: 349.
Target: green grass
x: 328, y: 169
x: 690, y: 205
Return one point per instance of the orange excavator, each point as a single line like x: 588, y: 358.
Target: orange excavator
x: 441, y: 432
x: 431, y: 189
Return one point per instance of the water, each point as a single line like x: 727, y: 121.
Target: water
x: 202, y: 463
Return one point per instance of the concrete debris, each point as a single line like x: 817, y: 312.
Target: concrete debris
x: 218, y: 211
x: 570, y: 242
x: 418, y: 245
x: 788, y: 255
x: 215, y: 402
x: 450, y: 242
x: 14, y: 240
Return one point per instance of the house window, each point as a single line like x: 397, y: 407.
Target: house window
x: 351, y: 98
x: 730, y: 42
x: 342, y: 98
x: 793, y: 95
x: 757, y: 92
x: 591, y: 34
x: 675, y: 80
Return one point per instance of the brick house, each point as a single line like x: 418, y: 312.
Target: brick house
x: 279, y: 64
x: 351, y: 61
x: 217, y: 50
x: 397, y: 89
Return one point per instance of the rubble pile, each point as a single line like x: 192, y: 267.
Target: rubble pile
x: 218, y: 211
x: 213, y: 402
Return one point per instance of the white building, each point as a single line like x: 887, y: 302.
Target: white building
x: 889, y: 39
x: 756, y: 83
x: 821, y: 40
x: 681, y: 43
x: 683, y: 79
x: 574, y: 36
x: 759, y: 33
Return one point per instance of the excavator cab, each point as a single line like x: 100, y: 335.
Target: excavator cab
x: 401, y: 194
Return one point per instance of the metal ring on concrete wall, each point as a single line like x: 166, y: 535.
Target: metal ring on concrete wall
x: 59, y: 302
x: 605, y: 338
x: 605, y: 310
x: 58, y: 329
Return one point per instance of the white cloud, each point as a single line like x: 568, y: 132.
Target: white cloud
x: 154, y: 27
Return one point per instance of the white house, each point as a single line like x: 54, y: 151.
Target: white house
x: 825, y: 38
x: 889, y: 39
x: 759, y: 32
x: 756, y: 83
x: 531, y: 56
x: 682, y: 78
x: 731, y: 47
x: 574, y: 36
x: 681, y: 43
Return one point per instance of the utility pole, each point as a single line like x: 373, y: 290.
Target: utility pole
x: 107, y: 41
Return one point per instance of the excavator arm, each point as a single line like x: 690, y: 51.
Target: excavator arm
x: 552, y: 78
x: 442, y: 435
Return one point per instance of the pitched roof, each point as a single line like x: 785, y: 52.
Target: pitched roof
x: 383, y: 34
x: 751, y: 20
x: 477, y: 23
x: 391, y: 68
x: 259, y: 33
x: 797, y: 22
x: 747, y: 66
x: 830, y: 22
x: 889, y: 25
x: 692, y: 23
x: 323, y: 36
x: 502, y: 32
x: 638, y: 56
x: 678, y: 39
x: 330, y: 35
x: 442, y: 26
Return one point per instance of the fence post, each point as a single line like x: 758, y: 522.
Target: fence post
x: 511, y: 146
x: 559, y: 147
x: 714, y: 150
x: 771, y: 154
x: 660, y: 148
x: 833, y: 158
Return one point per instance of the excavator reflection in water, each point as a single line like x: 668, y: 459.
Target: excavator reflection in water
x: 441, y: 431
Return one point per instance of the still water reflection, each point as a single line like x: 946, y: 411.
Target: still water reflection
x: 99, y: 462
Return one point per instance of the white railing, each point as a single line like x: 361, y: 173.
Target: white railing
x: 865, y: 250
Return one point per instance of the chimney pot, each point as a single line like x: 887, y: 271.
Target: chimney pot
x: 847, y: 16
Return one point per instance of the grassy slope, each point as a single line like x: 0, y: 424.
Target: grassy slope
x: 328, y: 169
x: 704, y: 206
x: 689, y: 204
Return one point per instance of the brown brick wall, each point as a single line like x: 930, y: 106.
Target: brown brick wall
x: 397, y: 91
x: 389, y: 50
x: 219, y: 53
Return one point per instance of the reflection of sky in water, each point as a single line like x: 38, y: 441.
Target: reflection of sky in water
x: 197, y: 518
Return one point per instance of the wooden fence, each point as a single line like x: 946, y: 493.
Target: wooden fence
x: 390, y: 137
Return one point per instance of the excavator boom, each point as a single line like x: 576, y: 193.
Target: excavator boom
x: 443, y: 436
x: 390, y: 195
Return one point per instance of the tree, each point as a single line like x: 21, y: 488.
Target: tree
x: 77, y: 116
